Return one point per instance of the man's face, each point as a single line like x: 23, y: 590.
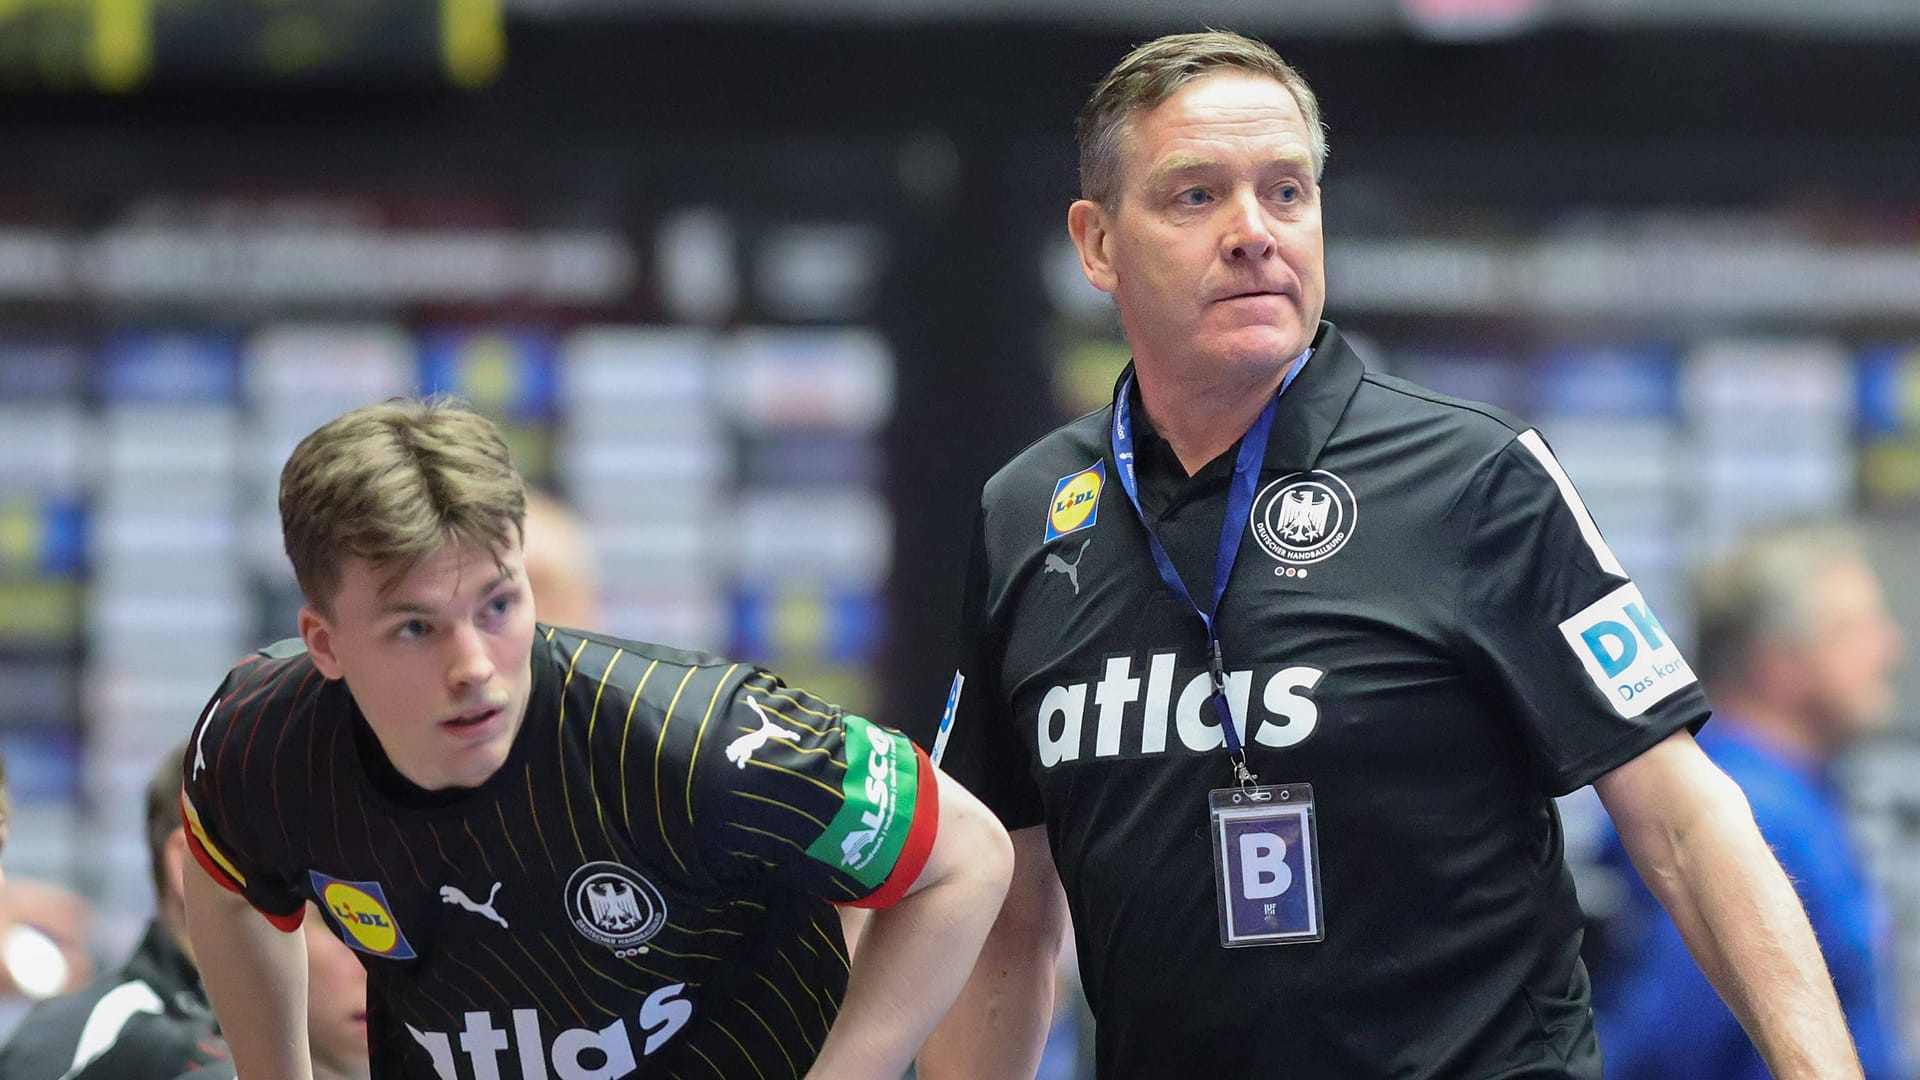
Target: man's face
x: 1213, y: 252
x: 1850, y: 652
x: 336, y: 1001
x: 438, y: 663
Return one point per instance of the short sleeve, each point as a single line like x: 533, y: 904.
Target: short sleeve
x: 213, y: 805
x: 974, y: 739
x: 1550, y: 619
x: 821, y: 800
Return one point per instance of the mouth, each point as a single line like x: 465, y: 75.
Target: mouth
x: 471, y: 719
x: 1252, y: 294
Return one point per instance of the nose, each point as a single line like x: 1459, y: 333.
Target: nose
x: 469, y: 664
x: 1249, y: 235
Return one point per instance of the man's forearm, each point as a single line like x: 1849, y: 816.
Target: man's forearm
x: 912, y: 961
x: 915, y: 956
x: 998, y: 1027
x: 256, y: 978
x: 1746, y: 929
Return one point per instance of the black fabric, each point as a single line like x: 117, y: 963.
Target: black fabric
x: 167, y: 1026
x: 632, y: 755
x: 1408, y: 629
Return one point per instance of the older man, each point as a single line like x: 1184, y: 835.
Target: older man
x: 1418, y: 632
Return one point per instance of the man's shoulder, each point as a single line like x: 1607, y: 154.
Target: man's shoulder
x: 267, y: 682
x: 1392, y: 401
x: 596, y: 670
x: 1068, y: 450
x: 577, y: 651
x: 134, y: 1025
x: 271, y: 688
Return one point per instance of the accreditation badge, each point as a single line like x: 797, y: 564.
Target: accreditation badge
x: 1266, y: 864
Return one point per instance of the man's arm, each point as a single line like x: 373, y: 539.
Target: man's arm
x: 999, y: 1025
x: 1690, y: 834
x: 256, y: 977
x: 914, y: 956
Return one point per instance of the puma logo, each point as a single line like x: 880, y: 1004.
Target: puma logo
x: 453, y: 895
x: 1058, y: 565
x: 742, y: 748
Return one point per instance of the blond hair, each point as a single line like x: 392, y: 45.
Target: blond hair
x: 392, y: 484
x: 1151, y: 74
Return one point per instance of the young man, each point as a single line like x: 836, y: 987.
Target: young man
x: 558, y: 854
x: 148, y: 1019
x: 1417, y: 631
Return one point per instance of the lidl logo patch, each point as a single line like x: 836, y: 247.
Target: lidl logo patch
x: 1076, y: 501
x: 1626, y: 652
x: 361, y: 911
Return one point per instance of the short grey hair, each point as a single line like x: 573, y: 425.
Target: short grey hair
x: 1154, y: 72
x: 1762, y: 591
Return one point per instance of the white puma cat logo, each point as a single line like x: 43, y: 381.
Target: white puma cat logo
x: 453, y: 895
x: 742, y: 748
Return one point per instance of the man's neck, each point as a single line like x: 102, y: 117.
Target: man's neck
x: 1201, y: 421
x: 1784, y: 733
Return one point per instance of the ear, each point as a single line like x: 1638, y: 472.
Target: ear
x: 1088, y: 225
x: 174, y: 860
x: 318, y: 634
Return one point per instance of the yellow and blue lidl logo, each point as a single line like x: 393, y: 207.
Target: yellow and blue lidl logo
x: 1076, y: 501
x: 365, y: 918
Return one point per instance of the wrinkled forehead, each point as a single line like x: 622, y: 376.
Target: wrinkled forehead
x: 1225, y: 113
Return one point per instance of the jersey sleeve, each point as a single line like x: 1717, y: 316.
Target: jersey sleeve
x: 974, y: 740
x: 213, y: 801
x: 1553, y: 623
x: 819, y: 799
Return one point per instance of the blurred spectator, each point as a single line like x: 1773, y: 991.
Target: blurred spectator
x: 561, y: 570
x: 43, y: 929
x: 1796, y: 648
x: 149, y: 1018
x: 336, y: 1009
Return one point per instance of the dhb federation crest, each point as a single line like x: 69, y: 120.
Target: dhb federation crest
x: 616, y: 907
x: 1304, y: 517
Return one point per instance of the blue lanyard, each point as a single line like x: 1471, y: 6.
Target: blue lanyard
x: 1246, y: 477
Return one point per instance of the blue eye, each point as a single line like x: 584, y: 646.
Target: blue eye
x: 411, y: 629
x: 1192, y: 197
x: 1288, y: 193
x: 500, y: 604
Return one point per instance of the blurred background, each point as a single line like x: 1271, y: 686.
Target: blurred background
x: 805, y: 260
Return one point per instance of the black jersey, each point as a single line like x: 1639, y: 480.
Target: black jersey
x: 1423, y: 624
x: 641, y: 889
x: 147, y: 1020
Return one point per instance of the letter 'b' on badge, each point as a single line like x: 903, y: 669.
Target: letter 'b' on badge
x: 1263, y: 866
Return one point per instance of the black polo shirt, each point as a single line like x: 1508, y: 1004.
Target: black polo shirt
x: 1423, y: 623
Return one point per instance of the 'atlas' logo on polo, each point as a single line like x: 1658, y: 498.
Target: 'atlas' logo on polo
x: 1076, y: 501
x: 1287, y: 711
x: 661, y: 1017
x: 360, y: 910
x: 1626, y: 652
